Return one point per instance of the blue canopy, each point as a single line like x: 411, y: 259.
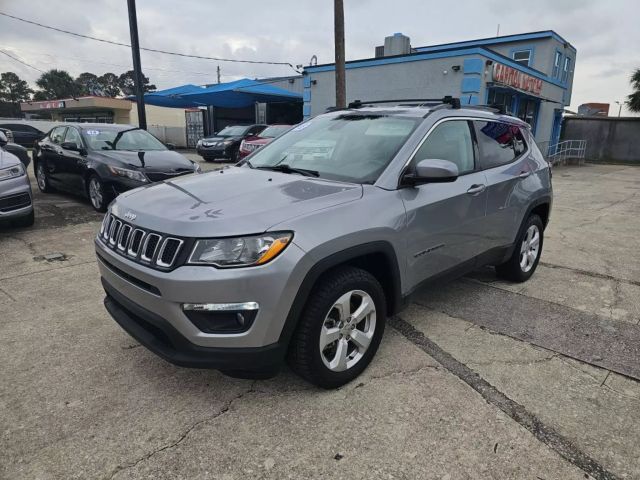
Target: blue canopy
x: 237, y: 94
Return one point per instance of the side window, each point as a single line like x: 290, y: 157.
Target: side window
x: 57, y: 135
x: 451, y: 140
x: 73, y: 136
x: 256, y: 130
x: 499, y: 143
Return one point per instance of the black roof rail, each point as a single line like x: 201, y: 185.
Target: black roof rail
x: 453, y: 101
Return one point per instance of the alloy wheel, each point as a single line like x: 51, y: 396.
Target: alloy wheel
x: 95, y: 193
x: 530, y: 248
x: 41, y: 177
x: 347, y: 330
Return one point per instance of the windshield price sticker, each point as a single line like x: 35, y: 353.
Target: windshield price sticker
x: 93, y: 132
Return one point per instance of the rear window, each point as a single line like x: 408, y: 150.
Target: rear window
x: 499, y: 143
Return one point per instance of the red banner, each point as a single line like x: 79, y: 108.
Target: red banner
x: 514, y: 78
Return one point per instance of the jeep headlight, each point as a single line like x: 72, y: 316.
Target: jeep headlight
x: 12, y: 172
x: 131, y: 174
x: 240, y: 251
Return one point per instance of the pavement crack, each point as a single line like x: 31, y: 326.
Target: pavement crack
x: 517, y: 362
x: 29, y: 245
x: 44, y: 270
x: 7, y: 294
x: 395, y: 373
x: 544, y: 433
x: 591, y: 274
x: 225, y: 409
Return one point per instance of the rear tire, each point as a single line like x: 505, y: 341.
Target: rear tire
x: 526, y: 254
x: 340, y: 328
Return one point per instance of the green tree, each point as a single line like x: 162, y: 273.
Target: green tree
x: 110, y: 84
x: 127, y: 83
x: 633, y: 100
x: 13, y: 89
x: 87, y: 84
x: 56, y: 84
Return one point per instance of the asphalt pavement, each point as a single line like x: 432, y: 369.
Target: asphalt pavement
x: 477, y: 379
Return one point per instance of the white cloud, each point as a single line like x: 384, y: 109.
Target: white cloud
x: 604, y: 33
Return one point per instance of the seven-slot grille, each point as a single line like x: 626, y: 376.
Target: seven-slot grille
x: 137, y: 244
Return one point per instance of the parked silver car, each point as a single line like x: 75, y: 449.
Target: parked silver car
x: 15, y: 189
x: 304, y: 249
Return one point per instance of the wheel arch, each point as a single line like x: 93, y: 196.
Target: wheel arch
x: 378, y: 258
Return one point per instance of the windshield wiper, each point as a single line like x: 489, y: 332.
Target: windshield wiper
x: 284, y: 168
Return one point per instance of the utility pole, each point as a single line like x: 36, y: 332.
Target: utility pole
x: 137, y: 67
x: 218, y: 70
x: 338, y: 24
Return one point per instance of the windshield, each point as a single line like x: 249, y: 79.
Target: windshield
x: 350, y: 147
x: 232, y: 131
x: 274, y: 131
x: 110, y: 139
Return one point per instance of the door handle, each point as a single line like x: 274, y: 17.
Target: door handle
x: 524, y: 174
x: 476, y: 188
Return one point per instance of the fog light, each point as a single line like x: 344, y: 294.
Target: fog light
x: 221, y: 317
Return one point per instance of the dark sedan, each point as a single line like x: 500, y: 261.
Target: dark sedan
x: 101, y: 161
x: 226, y: 143
x: 23, y: 134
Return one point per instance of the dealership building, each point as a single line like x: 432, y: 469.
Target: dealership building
x: 529, y: 74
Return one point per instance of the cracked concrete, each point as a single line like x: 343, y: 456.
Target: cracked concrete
x: 79, y: 398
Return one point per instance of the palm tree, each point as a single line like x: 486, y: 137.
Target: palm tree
x: 633, y: 102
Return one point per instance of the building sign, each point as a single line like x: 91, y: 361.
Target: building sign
x: 53, y: 104
x: 516, y: 79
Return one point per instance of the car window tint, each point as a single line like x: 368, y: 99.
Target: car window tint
x: 451, y: 141
x: 57, y: 135
x: 73, y: 136
x: 496, y: 141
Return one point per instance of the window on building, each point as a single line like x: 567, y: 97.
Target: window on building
x: 497, y: 97
x: 522, y: 56
x: 451, y: 141
x: 499, y: 143
x: 565, y: 70
x: 527, y: 110
x: 556, y: 64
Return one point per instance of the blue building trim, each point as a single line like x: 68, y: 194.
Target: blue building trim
x: 416, y: 57
x: 471, y: 84
x: 556, y: 74
x: 306, y: 96
x: 530, y: 48
x: 473, y: 65
x: 497, y: 40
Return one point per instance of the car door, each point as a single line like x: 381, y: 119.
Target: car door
x: 51, y: 152
x: 445, y: 221
x: 72, y: 162
x: 503, y: 159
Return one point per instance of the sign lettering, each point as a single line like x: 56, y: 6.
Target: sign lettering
x: 514, y: 78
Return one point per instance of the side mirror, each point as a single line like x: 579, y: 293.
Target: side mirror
x: 3, y: 139
x: 170, y: 146
x: 432, y: 171
x: 70, y: 146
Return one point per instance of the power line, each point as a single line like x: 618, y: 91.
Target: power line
x: 20, y: 61
x: 177, y: 54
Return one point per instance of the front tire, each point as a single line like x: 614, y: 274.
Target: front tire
x: 42, y: 178
x: 98, y: 194
x: 340, y: 328
x: 526, y: 255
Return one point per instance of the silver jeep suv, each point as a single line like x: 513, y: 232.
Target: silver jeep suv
x: 302, y: 250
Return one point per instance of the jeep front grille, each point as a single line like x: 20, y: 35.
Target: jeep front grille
x: 140, y: 245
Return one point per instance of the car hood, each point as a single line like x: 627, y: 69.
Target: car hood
x: 8, y: 159
x: 258, y: 140
x: 233, y: 201
x: 158, y: 160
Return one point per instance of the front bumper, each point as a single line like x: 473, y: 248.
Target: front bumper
x: 15, y: 188
x: 161, y: 295
x: 159, y: 336
x: 215, y: 152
